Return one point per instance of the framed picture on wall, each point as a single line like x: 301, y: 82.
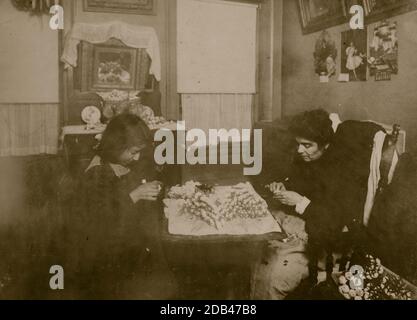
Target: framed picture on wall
x: 145, y: 7
x: 112, y: 65
x: 376, y: 10
x: 317, y: 15
x: 114, y: 68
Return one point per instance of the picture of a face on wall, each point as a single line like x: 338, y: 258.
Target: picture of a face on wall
x: 354, y: 45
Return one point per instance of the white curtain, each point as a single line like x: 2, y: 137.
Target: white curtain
x: 217, y: 111
x: 29, y: 129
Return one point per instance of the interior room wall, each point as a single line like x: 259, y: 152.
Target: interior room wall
x: 269, y: 59
x: 29, y: 57
x: 388, y: 102
x: 29, y: 83
x: 29, y: 105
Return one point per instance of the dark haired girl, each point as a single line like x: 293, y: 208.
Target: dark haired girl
x: 116, y: 218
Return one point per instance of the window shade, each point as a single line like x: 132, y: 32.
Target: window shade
x: 216, y: 47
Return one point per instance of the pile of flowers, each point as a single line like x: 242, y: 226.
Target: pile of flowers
x: 369, y: 281
x: 117, y: 102
x: 215, y: 208
x: 115, y: 95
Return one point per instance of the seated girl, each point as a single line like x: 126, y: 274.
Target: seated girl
x: 115, y: 221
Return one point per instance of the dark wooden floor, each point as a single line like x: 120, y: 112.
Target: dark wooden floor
x: 30, y: 242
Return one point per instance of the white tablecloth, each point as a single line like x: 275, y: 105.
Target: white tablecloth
x: 185, y: 224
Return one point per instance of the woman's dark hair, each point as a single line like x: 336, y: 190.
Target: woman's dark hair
x: 314, y: 125
x: 122, y: 132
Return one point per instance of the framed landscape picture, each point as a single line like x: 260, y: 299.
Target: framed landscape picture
x: 145, y: 7
x: 317, y: 15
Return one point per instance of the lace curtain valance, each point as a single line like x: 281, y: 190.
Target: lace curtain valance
x: 131, y: 35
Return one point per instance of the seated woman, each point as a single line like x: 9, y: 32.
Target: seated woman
x: 115, y: 221
x: 323, y: 193
x: 312, y: 188
x: 285, y: 265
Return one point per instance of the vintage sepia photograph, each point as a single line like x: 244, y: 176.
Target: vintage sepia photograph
x: 114, y: 67
x: 383, y: 50
x: 354, y: 47
x: 208, y: 150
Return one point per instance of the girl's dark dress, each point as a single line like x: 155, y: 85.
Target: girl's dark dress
x: 116, y: 242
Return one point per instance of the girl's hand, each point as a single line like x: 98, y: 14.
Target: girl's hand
x: 147, y: 191
x: 276, y: 187
x: 289, y: 198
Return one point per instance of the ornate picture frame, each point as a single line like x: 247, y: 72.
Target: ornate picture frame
x: 316, y: 15
x: 86, y: 74
x: 114, y: 67
x: 384, y: 9
x: 142, y: 7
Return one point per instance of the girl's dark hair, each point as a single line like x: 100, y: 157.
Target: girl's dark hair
x: 314, y: 125
x: 122, y: 132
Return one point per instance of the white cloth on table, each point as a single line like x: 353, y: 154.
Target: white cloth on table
x: 131, y: 35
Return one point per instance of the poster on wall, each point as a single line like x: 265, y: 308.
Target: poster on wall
x: 383, y: 51
x: 325, y: 54
x: 353, y: 59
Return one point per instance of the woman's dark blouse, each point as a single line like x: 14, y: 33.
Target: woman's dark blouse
x: 317, y: 181
x: 336, y: 184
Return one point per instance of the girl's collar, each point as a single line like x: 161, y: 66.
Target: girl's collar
x: 118, y: 169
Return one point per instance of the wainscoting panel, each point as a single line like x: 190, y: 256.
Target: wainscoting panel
x: 217, y: 111
x: 29, y: 129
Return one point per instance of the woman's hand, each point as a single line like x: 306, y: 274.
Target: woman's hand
x: 276, y: 187
x: 289, y: 198
x: 147, y: 191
